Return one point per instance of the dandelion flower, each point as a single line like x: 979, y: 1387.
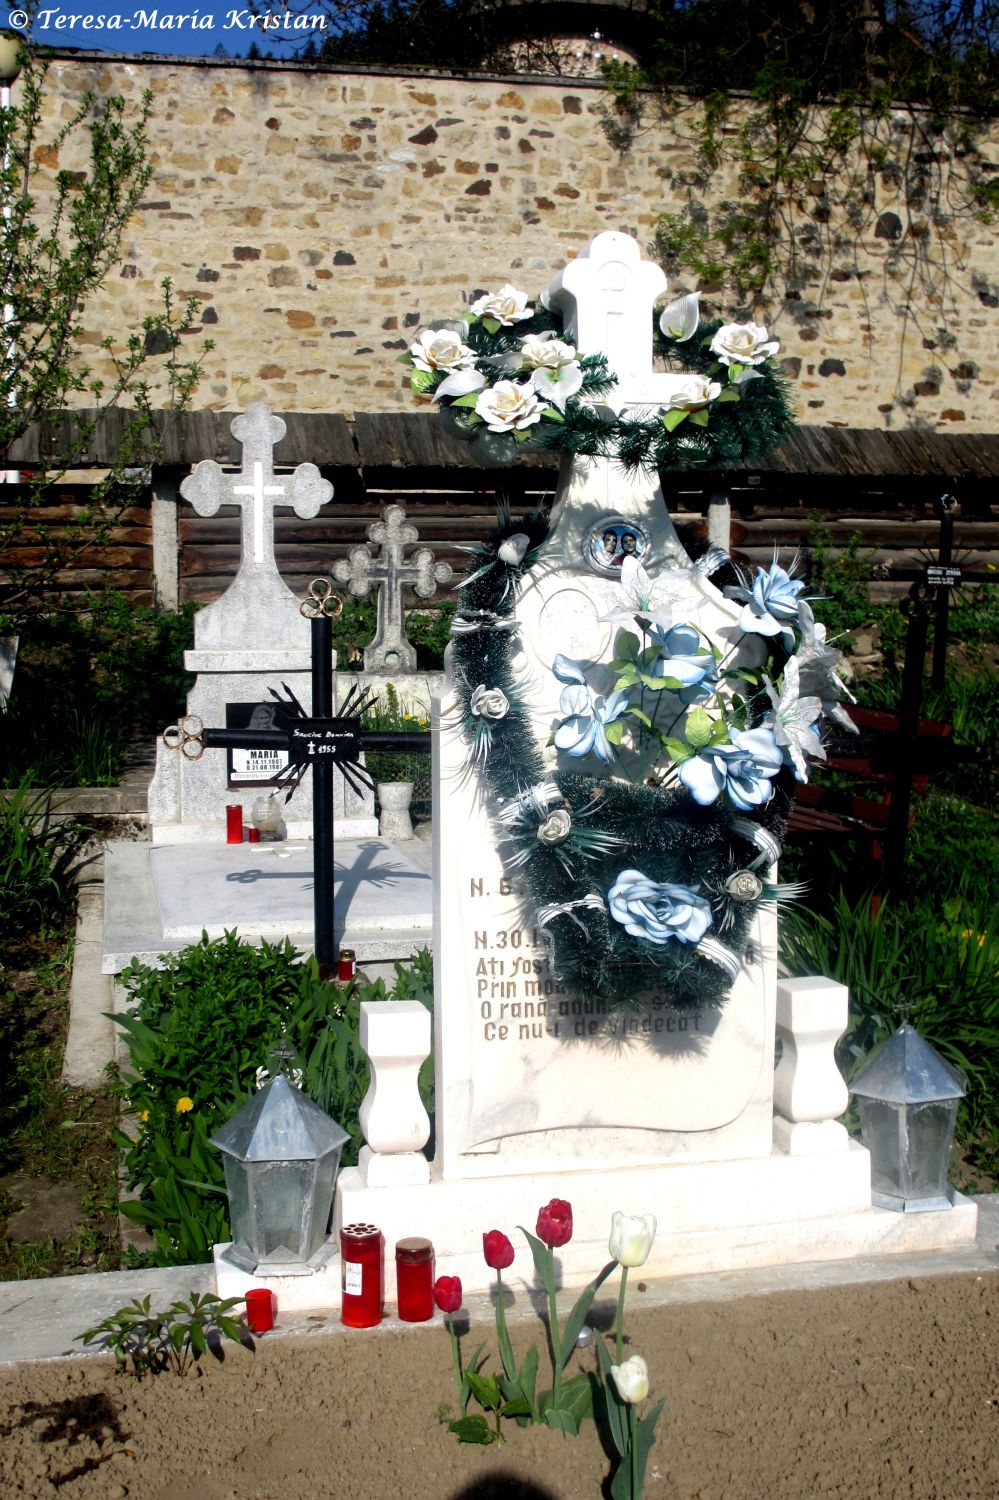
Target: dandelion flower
x: 184, y: 1104
x: 144, y: 1114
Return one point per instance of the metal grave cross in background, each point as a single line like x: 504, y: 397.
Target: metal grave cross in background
x: 390, y: 650
x: 256, y: 489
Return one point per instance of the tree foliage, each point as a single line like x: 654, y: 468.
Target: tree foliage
x: 69, y: 191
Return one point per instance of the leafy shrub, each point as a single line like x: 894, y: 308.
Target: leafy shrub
x: 197, y: 1032
x: 88, y: 683
x: 938, y: 969
x: 173, y: 1340
x: 428, y: 630
x: 36, y: 856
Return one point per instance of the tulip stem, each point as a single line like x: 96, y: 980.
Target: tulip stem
x: 636, y: 1493
x: 455, y: 1357
x: 502, y: 1336
x: 619, y: 1328
x: 553, y: 1331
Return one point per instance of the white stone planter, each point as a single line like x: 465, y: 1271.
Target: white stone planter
x: 394, y: 822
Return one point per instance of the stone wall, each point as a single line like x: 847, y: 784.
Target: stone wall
x: 323, y: 216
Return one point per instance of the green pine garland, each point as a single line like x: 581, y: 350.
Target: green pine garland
x: 614, y: 825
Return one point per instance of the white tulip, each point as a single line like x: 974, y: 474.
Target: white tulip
x: 631, y: 1238
x: 632, y: 1379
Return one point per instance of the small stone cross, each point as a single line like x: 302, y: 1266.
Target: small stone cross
x: 256, y: 489
x: 606, y: 297
x: 390, y: 650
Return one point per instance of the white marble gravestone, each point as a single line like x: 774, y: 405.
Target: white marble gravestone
x: 249, y: 641
x: 526, y: 1075
x: 541, y: 1096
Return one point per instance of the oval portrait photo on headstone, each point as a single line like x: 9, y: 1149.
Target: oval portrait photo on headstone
x: 610, y: 540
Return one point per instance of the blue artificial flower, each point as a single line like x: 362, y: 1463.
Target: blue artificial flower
x: 657, y: 910
x: 771, y: 603
x: 582, y: 729
x: 742, y: 768
x: 683, y: 659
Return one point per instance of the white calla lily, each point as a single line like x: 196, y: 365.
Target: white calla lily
x: 631, y: 1238
x: 679, y: 319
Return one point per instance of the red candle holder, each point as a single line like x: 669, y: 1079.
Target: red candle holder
x: 234, y: 824
x: 361, y: 1275
x: 253, y: 835
x: 261, y: 1306
x: 414, y: 1279
x: 346, y: 968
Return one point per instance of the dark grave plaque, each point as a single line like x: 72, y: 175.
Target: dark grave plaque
x: 248, y: 767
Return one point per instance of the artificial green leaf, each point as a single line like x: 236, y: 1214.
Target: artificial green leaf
x: 472, y: 1430
x: 699, y: 418
x: 628, y: 676
x: 677, y: 750
x: 491, y: 325
x: 467, y: 400
x: 643, y: 718
x: 698, y: 728
x: 552, y: 413
x: 729, y: 394
x: 672, y: 419
x: 734, y: 371
x: 614, y: 732
x: 422, y: 380
x: 658, y: 684
x: 743, y: 674
x: 627, y: 646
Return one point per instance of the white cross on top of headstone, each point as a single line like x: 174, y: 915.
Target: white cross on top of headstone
x: 606, y: 297
x: 256, y: 489
x: 390, y: 650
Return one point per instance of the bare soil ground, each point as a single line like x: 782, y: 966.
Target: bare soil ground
x: 887, y: 1390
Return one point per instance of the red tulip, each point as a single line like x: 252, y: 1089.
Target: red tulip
x: 497, y: 1250
x: 555, y: 1223
x: 447, y: 1293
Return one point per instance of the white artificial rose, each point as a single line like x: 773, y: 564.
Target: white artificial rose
x: 695, y: 392
x: 513, y: 548
x: 632, y: 1379
x: 489, y: 703
x: 542, y: 351
x: 506, y: 406
x: 506, y: 306
x: 440, y: 349
x: 743, y: 344
x: 631, y: 1238
x: 556, y: 828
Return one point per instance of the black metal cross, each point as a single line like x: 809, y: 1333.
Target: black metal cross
x: 323, y: 742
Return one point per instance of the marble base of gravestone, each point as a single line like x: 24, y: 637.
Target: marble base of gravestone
x: 249, y: 642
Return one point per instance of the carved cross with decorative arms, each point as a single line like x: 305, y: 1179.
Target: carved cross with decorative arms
x: 390, y: 650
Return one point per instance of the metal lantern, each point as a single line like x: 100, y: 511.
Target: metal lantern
x: 908, y: 1098
x: 281, y: 1158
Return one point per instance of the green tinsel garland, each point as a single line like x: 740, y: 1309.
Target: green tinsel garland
x: 738, y: 431
x: 615, y: 825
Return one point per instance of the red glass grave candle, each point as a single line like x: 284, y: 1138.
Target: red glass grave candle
x: 253, y: 835
x: 346, y: 968
x: 414, y: 1279
x: 261, y: 1305
x: 361, y: 1275
x: 234, y: 824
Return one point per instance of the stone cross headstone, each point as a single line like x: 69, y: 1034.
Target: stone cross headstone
x: 390, y: 651
x: 250, y: 640
x: 258, y: 610
x: 529, y: 1079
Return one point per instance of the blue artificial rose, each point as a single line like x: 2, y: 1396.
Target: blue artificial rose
x: 743, y: 768
x: 582, y: 728
x: 684, y: 660
x: 658, y: 911
x: 771, y: 603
